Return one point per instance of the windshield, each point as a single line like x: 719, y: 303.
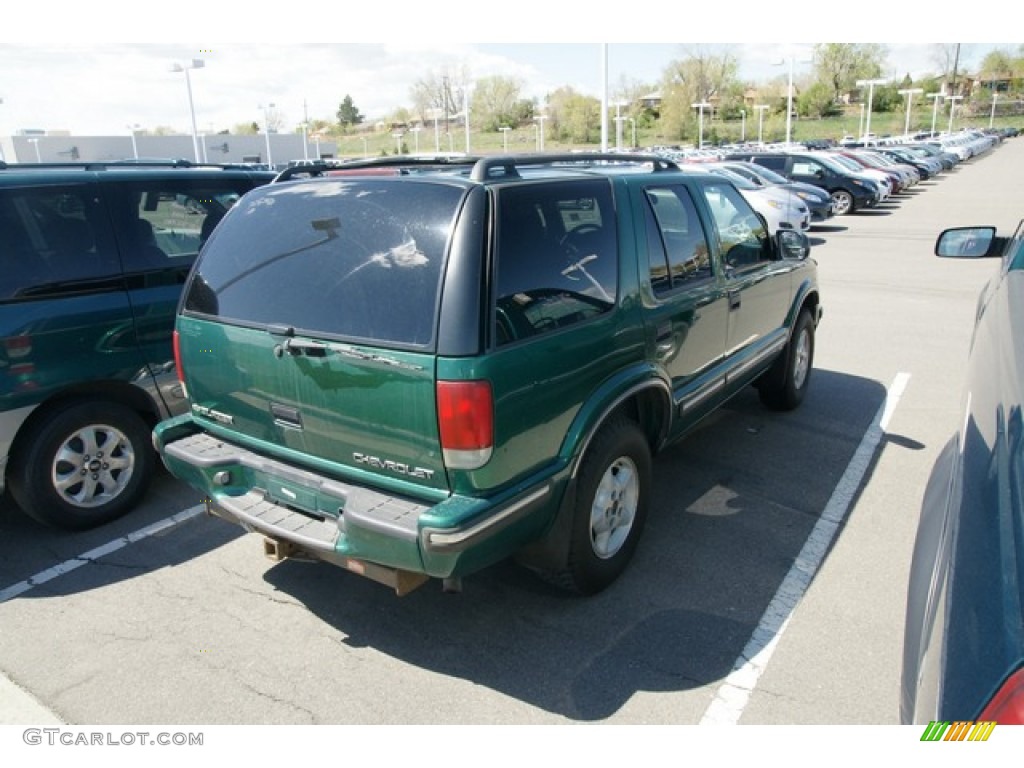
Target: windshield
x: 738, y: 181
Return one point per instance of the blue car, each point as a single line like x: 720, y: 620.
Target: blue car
x: 963, y: 655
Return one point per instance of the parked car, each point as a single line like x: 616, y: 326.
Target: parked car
x: 416, y: 376
x: 781, y: 209
x: 963, y: 654
x: 849, y: 192
x: 92, y: 260
x: 817, y: 200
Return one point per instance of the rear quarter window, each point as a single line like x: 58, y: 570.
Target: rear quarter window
x: 557, y: 257
x: 356, y: 259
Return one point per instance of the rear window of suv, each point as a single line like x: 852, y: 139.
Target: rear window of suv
x: 355, y: 259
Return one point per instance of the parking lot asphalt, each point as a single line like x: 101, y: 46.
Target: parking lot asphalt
x: 169, y: 616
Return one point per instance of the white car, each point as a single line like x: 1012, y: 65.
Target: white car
x: 782, y: 209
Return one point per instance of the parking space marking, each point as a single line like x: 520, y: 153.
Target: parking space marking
x: 734, y: 693
x: 95, y: 554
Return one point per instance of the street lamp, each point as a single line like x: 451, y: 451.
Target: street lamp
x: 415, y: 130
x: 632, y: 125
x: 743, y: 125
x: 952, y: 109
x: 504, y: 136
x: 266, y: 131
x: 789, y: 95
x: 871, y: 93
x: 936, y: 98
x: 135, y: 146
x: 195, y: 64
x: 397, y: 136
x: 909, y: 93
x: 540, y: 119
x: 700, y: 105
x: 618, y: 123
x: 760, y: 121
x: 992, y: 117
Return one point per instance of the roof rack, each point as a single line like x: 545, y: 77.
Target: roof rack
x: 508, y: 165
x: 483, y: 168
x: 320, y: 167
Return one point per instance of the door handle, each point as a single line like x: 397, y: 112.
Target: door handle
x: 735, y: 299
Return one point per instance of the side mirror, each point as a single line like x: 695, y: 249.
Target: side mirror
x: 793, y: 245
x: 967, y: 243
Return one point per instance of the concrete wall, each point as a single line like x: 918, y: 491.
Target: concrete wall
x: 218, y: 148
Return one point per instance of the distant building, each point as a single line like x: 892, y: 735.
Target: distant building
x: 31, y: 146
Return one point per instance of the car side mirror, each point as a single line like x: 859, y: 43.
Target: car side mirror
x: 967, y: 243
x: 793, y: 245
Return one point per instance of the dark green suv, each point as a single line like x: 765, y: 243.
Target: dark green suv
x: 415, y: 369
x: 92, y: 261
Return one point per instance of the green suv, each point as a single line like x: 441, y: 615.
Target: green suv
x: 92, y: 261
x: 415, y: 369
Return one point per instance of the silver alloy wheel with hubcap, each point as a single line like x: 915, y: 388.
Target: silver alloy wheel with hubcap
x: 614, y: 508
x: 93, y: 465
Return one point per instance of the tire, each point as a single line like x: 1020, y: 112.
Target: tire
x: 842, y: 202
x: 612, y: 492
x: 783, y: 386
x: 83, y: 465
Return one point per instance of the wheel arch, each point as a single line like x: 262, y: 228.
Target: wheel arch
x: 114, y: 391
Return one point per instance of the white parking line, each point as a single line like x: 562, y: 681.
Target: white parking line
x: 734, y: 693
x: 95, y: 554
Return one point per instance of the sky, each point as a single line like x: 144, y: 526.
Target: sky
x: 95, y: 76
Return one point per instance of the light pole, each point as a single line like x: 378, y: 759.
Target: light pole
x: 266, y: 131
x: 540, y: 119
x: 760, y: 121
x: 195, y: 64
x: 992, y: 117
x: 504, y: 136
x: 936, y: 98
x: 871, y: 93
x: 415, y: 130
x: 366, y: 151
x: 135, y: 146
x: 743, y: 125
x: 618, y: 123
x: 952, y: 108
x: 632, y: 125
x: 700, y: 105
x: 909, y: 93
x: 789, y: 95
x: 397, y: 136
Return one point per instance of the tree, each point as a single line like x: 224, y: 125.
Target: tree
x: 842, y: 64
x: 348, y: 116
x: 701, y: 76
x: 441, y: 93
x: 816, y: 101
x: 496, y: 102
x: 573, y: 117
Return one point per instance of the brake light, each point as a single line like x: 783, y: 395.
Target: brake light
x: 1007, y: 706
x: 465, y: 412
x: 176, y: 342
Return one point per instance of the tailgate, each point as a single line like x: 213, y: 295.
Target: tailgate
x: 348, y: 405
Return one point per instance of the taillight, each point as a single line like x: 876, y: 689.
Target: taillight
x: 1007, y: 706
x: 176, y: 342
x: 465, y: 412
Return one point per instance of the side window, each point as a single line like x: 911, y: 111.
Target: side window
x: 556, y: 259
x: 170, y: 220
x: 52, y: 239
x: 742, y: 238
x: 807, y: 168
x: 677, y: 248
